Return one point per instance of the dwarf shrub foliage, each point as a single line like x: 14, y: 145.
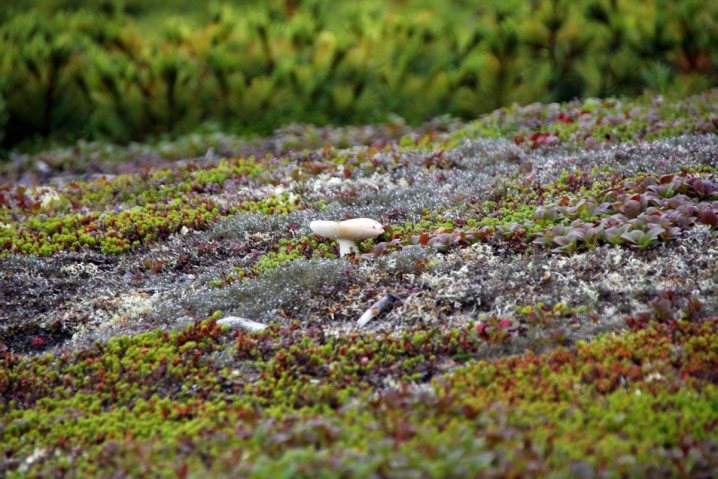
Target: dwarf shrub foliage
x: 97, y: 74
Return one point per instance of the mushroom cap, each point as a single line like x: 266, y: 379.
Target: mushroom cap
x: 354, y: 229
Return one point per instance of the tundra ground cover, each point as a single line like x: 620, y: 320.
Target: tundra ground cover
x: 555, y: 274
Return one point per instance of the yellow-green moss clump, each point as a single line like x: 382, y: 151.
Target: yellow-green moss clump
x: 163, y: 402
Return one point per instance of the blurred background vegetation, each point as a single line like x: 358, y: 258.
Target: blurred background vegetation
x: 139, y: 69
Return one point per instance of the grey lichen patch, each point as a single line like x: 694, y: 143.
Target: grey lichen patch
x: 491, y: 156
x: 403, y: 264
x: 241, y: 226
x: 125, y: 312
x: 312, y: 292
x: 452, y: 283
x: 501, y: 157
x: 291, y: 292
x: 31, y: 286
x: 609, y: 282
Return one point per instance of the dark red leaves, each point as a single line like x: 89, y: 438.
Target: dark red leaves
x: 537, y: 139
x: 709, y: 217
x: 564, y: 118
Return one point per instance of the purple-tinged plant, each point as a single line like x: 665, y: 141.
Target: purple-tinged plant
x: 591, y: 208
x: 670, y: 233
x: 616, y: 220
x: 664, y: 190
x: 576, y: 235
x: 688, y: 215
x: 380, y: 249
x: 646, y: 183
x: 643, y: 239
x: 640, y: 222
x: 611, y: 195
x: 703, y: 189
x: 441, y: 242
x: 543, y: 215
x: 677, y: 201
x: 630, y: 208
x: 614, y: 235
x: 497, y: 330
x: 709, y: 217
x: 667, y: 178
x: 569, y: 243
x: 693, y: 306
x: 662, y: 308
x: 653, y: 199
x: 658, y: 218
x: 507, y: 231
x: 418, y: 240
x: 547, y: 237
x: 591, y: 143
x: 592, y: 235
x: 569, y: 212
x: 560, y: 336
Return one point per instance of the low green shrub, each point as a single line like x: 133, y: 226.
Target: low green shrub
x: 96, y: 75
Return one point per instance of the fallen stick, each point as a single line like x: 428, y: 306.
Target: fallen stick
x: 235, y: 322
x: 384, y: 304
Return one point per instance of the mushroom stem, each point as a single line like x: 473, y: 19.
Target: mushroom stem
x: 346, y: 246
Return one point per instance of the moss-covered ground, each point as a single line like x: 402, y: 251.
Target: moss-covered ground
x: 556, y: 313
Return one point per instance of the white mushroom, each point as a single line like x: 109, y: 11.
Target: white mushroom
x: 348, y: 232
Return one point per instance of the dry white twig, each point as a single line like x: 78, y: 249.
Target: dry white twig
x: 384, y: 304
x: 235, y: 322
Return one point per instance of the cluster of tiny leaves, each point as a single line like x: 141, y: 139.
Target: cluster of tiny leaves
x: 163, y: 402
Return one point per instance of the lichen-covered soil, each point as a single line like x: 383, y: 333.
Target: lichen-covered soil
x: 553, y: 269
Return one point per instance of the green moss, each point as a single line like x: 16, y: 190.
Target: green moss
x: 162, y: 388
